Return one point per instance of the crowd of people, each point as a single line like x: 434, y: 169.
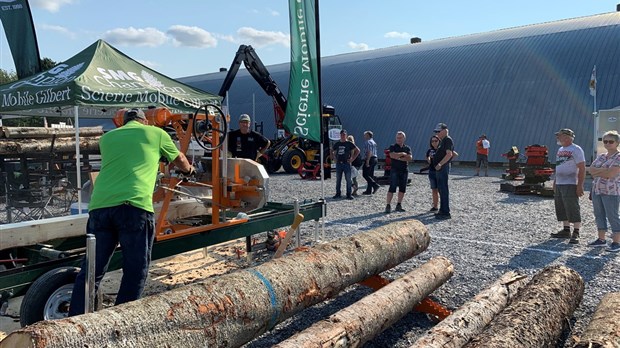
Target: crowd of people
x: 121, y: 209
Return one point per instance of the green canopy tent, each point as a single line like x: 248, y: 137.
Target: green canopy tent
x: 92, y: 83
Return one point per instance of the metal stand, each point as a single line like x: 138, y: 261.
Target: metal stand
x: 89, y: 288
x: 297, y: 232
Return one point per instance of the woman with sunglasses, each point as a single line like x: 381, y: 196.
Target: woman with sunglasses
x: 606, y: 192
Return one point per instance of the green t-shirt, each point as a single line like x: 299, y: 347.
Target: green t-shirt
x: 129, y: 165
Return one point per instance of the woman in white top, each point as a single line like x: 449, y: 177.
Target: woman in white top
x: 606, y: 192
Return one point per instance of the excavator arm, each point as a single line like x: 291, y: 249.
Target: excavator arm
x: 247, y: 55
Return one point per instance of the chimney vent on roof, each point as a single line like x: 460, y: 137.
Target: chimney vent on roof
x: 618, y: 8
x: 223, y: 69
x: 415, y: 40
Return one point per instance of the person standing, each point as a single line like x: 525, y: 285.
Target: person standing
x: 370, y: 161
x: 355, y: 168
x: 606, y: 192
x: 441, y: 160
x: 246, y: 143
x: 432, y: 173
x: 482, y: 154
x: 121, y: 206
x: 344, y: 153
x: 400, y: 154
x: 570, y: 174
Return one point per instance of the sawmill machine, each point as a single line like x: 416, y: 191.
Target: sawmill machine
x: 534, y: 172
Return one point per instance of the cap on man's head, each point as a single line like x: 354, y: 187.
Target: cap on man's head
x: 133, y: 114
x: 566, y: 131
x: 344, y: 131
x: 483, y: 136
x: 244, y: 118
x: 440, y: 126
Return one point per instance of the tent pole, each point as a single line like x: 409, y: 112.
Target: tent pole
x: 78, y: 161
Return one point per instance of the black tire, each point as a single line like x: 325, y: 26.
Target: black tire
x: 271, y: 165
x: 52, y: 289
x: 292, y: 160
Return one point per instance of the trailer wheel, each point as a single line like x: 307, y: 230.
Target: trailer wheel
x: 292, y: 160
x: 49, y: 296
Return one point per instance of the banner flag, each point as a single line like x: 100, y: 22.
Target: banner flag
x: 593, y: 82
x: 20, y: 35
x: 303, y: 108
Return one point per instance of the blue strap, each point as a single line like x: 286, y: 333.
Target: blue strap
x: 272, y: 297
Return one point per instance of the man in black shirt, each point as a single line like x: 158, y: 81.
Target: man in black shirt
x: 344, y: 153
x: 399, y: 173
x: 441, y: 160
x: 246, y: 143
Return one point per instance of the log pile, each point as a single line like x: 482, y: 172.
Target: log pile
x: 232, y: 309
x: 37, y: 140
x: 362, y: 321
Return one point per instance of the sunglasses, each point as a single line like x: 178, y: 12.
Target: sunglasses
x: 436, y: 132
x: 434, y: 141
x: 608, y: 141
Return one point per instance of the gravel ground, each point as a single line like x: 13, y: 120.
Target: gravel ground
x: 490, y: 233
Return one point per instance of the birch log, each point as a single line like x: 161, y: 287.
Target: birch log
x: 42, y: 132
x: 604, y: 328
x: 230, y: 310
x: 538, y: 314
x: 472, y: 317
x: 362, y: 321
x: 38, y: 146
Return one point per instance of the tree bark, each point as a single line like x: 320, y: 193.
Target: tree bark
x: 38, y: 146
x: 472, y: 317
x: 42, y: 132
x: 360, y: 322
x: 230, y: 310
x: 538, y: 314
x: 603, y: 330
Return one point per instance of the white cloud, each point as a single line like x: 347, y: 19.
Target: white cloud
x: 50, y: 5
x: 191, y: 36
x: 358, y: 46
x: 260, y: 38
x: 397, y: 35
x: 135, y: 37
x: 228, y: 38
x: 59, y: 29
x: 148, y: 63
x: 274, y: 13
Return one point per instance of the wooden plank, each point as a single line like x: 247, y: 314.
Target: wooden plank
x: 42, y: 132
x: 38, y: 231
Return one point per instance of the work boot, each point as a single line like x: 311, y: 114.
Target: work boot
x: 563, y: 233
x: 399, y: 208
x: 388, y: 208
x: 574, y: 239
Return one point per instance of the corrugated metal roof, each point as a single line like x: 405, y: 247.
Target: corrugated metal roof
x: 516, y: 85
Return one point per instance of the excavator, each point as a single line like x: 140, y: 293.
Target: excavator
x: 288, y: 152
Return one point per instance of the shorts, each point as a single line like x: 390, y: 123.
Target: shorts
x: 432, y: 177
x: 398, y: 179
x: 567, y: 203
x: 482, y: 160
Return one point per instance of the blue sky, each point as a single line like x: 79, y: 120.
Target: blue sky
x: 191, y: 37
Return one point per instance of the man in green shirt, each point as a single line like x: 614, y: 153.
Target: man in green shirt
x: 121, y: 206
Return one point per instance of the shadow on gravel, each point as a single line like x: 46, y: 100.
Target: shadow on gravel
x: 539, y: 255
x: 589, y: 264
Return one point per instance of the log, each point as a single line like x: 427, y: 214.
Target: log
x: 42, y: 132
x: 538, y: 314
x: 357, y: 324
x: 470, y: 319
x: 230, y: 310
x: 603, y: 330
x: 38, y: 146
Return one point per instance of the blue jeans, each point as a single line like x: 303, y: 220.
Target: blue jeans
x: 343, y: 167
x: 606, y: 209
x: 134, y: 228
x: 444, y: 192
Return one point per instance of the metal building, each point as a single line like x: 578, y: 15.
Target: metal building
x: 516, y: 85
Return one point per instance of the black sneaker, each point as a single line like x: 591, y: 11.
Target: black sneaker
x: 388, y: 209
x: 574, y: 239
x: 375, y: 189
x: 434, y: 209
x: 337, y: 196
x: 399, y: 208
x: 443, y: 216
x: 349, y: 197
x: 367, y: 192
x: 561, y: 234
